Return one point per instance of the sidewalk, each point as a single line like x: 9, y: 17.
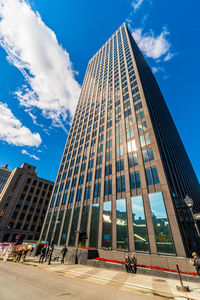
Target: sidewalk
x: 163, y: 287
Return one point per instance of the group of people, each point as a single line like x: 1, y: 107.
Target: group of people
x: 47, y: 251
x: 131, y: 264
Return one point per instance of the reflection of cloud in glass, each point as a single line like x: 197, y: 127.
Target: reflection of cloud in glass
x: 157, y: 205
x: 137, y: 207
x: 106, y: 219
x: 107, y: 206
x: 121, y: 205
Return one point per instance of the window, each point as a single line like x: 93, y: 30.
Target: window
x: 121, y: 224
x: 136, y: 97
x: 109, y: 133
x: 119, y: 139
x: 97, y: 190
x: 140, y: 115
x: 108, y: 144
x: 129, y: 122
x: 147, y: 155
x: 139, y: 224
x: 98, y: 173
x: 138, y: 106
x: 108, y: 170
x: 71, y: 196
x: 83, y: 167
x: 81, y: 179
x: 131, y: 146
x: 118, y: 128
x: 132, y: 160
x: 151, y: 175
x: 99, y: 160
x: 74, y: 182
x: 119, y: 165
x: 79, y: 194
x: 100, y: 148
x: 129, y: 133
x: 135, y: 180
x: 109, y: 155
x: 91, y: 163
x: 119, y: 151
x: 76, y: 170
x: 108, y: 187
x: 87, y: 192
x: 162, y: 230
x: 120, y: 185
x: 142, y: 126
x: 89, y: 177
x: 145, y: 140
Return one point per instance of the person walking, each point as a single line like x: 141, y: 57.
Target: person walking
x: 63, y: 252
x: 42, y: 255
x: 196, y: 262
x: 127, y: 263
x: 51, y: 248
x: 46, y: 253
x: 133, y: 264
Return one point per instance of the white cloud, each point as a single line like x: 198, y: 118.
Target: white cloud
x: 136, y: 4
x: 33, y: 48
x: 13, y: 132
x: 153, y: 46
x: 169, y: 56
x: 30, y: 155
x: 157, y: 69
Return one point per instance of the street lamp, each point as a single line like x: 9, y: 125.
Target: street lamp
x: 190, y: 202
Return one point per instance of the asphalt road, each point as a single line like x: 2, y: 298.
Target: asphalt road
x: 18, y: 281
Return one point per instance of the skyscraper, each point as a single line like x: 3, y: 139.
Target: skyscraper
x: 124, y: 171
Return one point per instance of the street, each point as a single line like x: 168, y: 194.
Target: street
x: 20, y: 281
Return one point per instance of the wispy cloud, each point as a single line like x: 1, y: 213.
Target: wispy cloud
x: 13, y: 132
x: 30, y: 155
x: 151, y: 45
x: 157, y: 69
x: 33, y: 48
x: 136, y: 4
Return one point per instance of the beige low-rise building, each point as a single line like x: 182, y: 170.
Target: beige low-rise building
x: 23, y: 204
x: 4, y: 175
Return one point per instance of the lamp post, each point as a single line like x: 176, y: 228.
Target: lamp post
x: 189, y: 202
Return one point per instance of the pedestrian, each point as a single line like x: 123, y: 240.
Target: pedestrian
x: 46, y: 253
x: 127, y: 263
x: 196, y: 262
x: 63, y: 252
x: 51, y: 248
x: 133, y: 264
x: 42, y: 255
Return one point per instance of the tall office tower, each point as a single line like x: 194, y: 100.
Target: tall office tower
x: 4, y: 175
x: 23, y: 204
x: 124, y: 171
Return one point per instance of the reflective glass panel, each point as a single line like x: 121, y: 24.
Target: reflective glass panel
x: 45, y: 227
x: 65, y: 227
x: 121, y: 223
x: 53, y: 220
x: 139, y: 225
x: 107, y: 225
x: 94, y: 226
x: 163, y: 235
x: 72, y: 237
x: 58, y: 225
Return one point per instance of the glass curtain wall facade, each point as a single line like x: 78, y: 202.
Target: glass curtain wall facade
x: 112, y: 181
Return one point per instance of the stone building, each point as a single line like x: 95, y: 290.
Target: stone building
x: 4, y: 174
x: 23, y: 204
x: 124, y: 171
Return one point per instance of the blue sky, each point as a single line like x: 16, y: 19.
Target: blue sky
x: 44, y: 50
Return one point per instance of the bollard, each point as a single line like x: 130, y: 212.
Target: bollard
x: 181, y: 287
